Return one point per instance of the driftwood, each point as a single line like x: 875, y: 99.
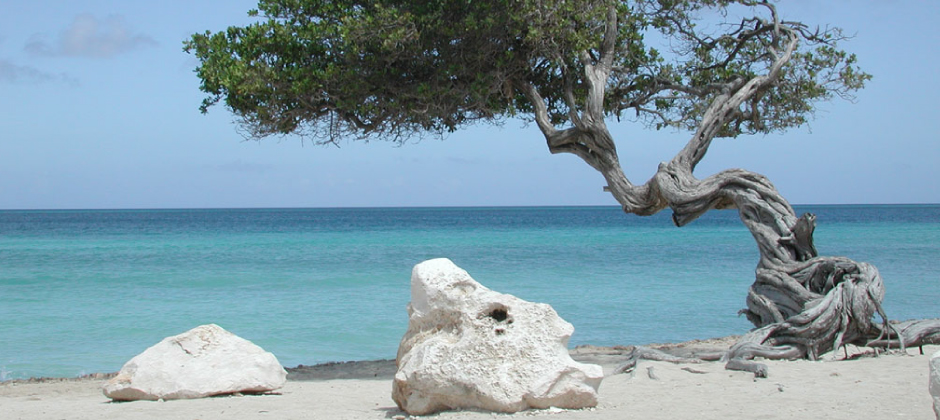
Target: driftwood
x: 645, y: 353
x: 802, y: 304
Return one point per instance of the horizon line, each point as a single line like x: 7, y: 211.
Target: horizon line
x: 415, y: 207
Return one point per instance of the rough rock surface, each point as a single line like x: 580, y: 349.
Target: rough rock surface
x: 470, y: 347
x: 201, y: 362
x: 935, y: 382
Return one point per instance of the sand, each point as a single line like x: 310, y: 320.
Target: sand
x: 887, y: 386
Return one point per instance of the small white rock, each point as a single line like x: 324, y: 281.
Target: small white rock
x: 201, y: 362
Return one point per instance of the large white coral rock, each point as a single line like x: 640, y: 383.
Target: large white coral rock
x: 201, y: 362
x: 470, y: 347
x: 935, y: 382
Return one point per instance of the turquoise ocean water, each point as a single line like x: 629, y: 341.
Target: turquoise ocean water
x: 84, y: 291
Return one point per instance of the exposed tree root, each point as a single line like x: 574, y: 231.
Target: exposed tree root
x: 780, y: 341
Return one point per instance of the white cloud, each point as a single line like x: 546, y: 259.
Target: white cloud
x: 13, y: 73
x: 88, y: 36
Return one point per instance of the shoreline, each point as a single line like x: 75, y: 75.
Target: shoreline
x: 385, y: 368
x: 892, y: 385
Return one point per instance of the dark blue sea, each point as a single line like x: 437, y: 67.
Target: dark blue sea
x: 84, y: 291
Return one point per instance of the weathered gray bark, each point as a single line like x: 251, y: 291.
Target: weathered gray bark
x: 803, y: 304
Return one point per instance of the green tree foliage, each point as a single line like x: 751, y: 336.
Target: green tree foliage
x: 393, y: 69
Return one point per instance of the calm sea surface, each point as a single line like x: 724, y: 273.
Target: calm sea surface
x: 84, y: 291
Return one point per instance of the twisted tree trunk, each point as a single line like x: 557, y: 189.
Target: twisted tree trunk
x: 803, y: 305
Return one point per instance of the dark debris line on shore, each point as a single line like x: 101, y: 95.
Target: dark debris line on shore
x: 370, y: 369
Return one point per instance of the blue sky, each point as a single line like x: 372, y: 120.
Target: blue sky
x: 98, y: 109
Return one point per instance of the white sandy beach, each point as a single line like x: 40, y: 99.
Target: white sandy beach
x: 887, y: 386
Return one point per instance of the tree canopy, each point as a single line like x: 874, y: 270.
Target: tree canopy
x: 393, y: 69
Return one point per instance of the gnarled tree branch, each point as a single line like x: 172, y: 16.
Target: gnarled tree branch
x: 804, y: 304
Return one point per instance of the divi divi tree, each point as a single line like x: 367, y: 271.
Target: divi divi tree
x: 397, y: 69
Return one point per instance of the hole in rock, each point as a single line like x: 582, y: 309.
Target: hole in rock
x: 499, y: 314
